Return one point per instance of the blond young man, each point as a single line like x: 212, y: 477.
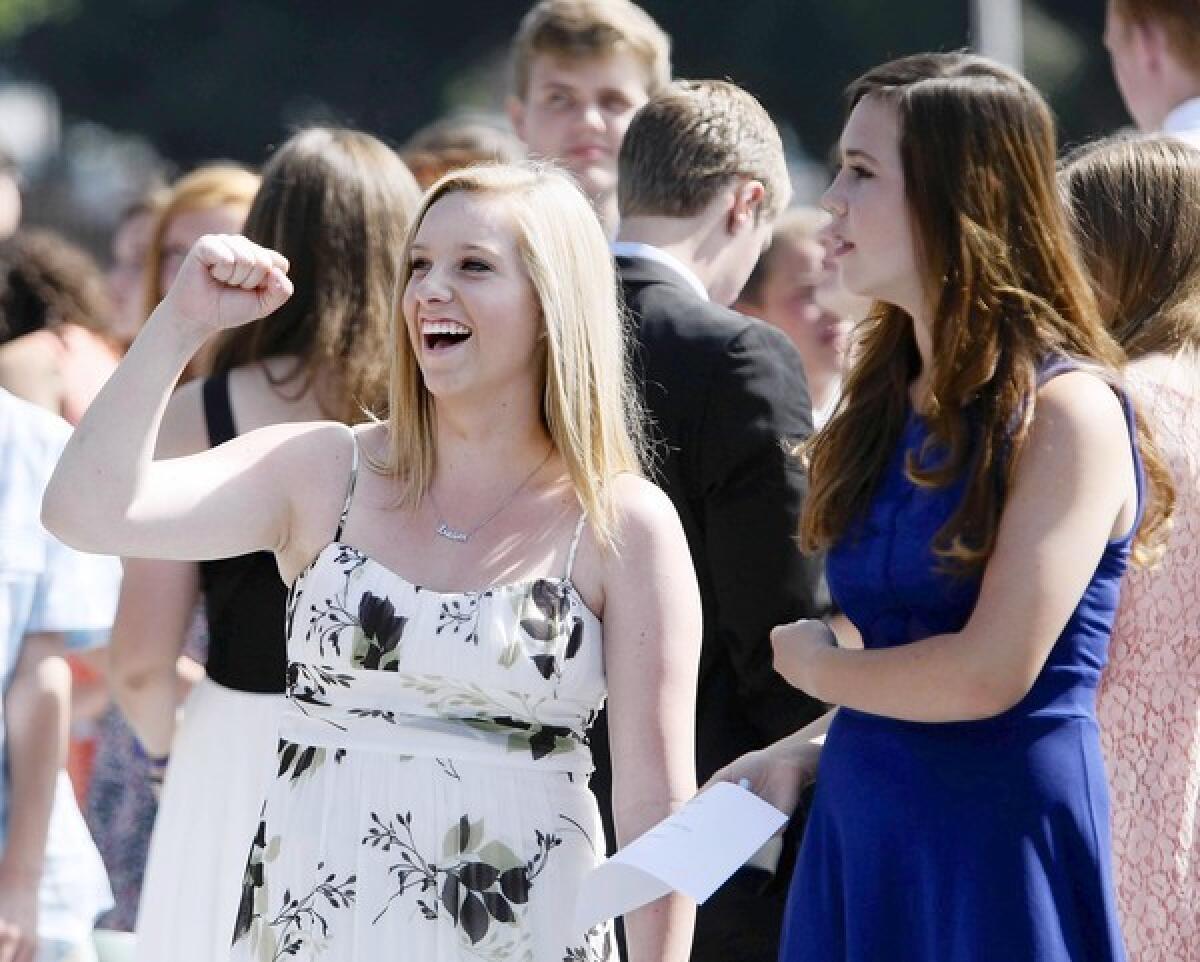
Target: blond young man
x: 1155, y: 51
x: 581, y: 69
x: 702, y: 178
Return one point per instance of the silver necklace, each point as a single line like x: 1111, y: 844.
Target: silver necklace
x: 458, y: 535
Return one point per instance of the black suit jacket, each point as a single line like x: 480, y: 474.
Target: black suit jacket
x: 725, y: 394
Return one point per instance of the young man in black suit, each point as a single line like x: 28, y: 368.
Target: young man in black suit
x: 701, y: 178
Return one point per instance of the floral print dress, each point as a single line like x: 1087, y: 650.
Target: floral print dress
x: 431, y: 799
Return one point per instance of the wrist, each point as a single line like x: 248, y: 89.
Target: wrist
x: 175, y: 332
x: 21, y: 868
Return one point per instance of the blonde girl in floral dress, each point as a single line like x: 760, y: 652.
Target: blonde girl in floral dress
x: 467, y: 581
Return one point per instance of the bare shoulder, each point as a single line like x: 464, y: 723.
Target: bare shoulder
x: 1079, y: 410
x: 642, y: 507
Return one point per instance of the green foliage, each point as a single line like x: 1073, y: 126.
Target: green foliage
x: 213, y: 78
x: 17, y: 16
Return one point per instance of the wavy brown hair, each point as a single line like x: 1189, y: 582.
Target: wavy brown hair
x: 977, y: 146
x: 1134, y: 203
x: 336, y: 203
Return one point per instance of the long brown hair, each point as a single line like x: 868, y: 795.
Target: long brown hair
x: 336, y: 203
x: 1134, y: 203
x: 977, y: 145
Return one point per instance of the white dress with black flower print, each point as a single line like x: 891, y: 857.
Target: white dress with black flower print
x: 431, y: 801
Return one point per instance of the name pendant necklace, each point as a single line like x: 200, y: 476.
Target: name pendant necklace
x: 458, y: 535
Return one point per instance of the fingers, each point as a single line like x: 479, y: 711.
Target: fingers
x: 235, y: 261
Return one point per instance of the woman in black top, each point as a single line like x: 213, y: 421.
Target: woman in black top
x: 336, y: 203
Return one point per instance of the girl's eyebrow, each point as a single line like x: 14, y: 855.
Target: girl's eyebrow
x: 856, y: 152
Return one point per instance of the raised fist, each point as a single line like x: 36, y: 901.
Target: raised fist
x: 226, y: 281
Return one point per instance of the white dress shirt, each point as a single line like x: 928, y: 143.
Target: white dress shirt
x: 1184, y: 122
x: 649, y: 252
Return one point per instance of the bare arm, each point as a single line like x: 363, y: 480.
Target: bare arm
x: 36, y: 708
x: 1073, y: 487
x: 153, y: 616
x: 232, y: 500
x: 147, y: 672
x: 652, y: 648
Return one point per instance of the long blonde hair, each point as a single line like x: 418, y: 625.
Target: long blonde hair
x: 589, y: 406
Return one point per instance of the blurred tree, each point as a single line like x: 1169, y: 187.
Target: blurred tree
x: 17, y: 16
x: 208, y: 78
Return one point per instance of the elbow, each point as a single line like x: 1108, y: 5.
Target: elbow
x: 132, y: 674
x: 64, y: 515
x: 992, y: 692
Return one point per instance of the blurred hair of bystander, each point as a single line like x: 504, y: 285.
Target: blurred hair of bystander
x: 1134, y: 203
x: 461, y: 140
x: 690, y: 142
x: 54, y: 313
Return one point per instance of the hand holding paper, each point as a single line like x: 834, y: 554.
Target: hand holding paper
x: 692, y: 852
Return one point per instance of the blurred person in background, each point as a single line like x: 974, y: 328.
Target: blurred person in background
x: 1135, y: 207
x: 127, y: 273
x: 121, y: 800
x: 54, y: 349
x: 57, y: 312
x: 212, y: 199
x: 452, y: 143
x: 702, y: 181
x: 10, y: 195
x: 580, y: 70
x: 1155, y: 50
x: 794, y: 288
x: 336, y: 204
x: 52, y: 599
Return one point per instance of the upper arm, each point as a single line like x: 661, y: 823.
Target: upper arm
x: 266, y: 490
x: 153, y: 614
x: 1074, y: 481
x: 652, y: 628
x: 29, y: 368
x: 158, y: 597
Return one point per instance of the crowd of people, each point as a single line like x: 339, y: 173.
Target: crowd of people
x: 479, y: 502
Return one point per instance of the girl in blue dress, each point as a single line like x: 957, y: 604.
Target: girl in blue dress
x: 980, y: 497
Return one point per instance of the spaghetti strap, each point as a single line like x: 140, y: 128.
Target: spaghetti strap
x: 575, y: 545
x: 337, y: 535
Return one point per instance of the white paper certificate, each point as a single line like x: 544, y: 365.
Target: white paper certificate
x: 692, y: 852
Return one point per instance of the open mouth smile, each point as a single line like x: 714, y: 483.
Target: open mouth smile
x: 443, y: 335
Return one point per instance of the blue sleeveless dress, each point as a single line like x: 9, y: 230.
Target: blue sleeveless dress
x: 975, y: 841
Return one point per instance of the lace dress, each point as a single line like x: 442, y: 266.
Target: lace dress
x: 1149, y: 708
x: 431, y: 799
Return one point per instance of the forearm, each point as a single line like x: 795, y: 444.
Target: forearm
x: 938, y: 679
x: 662, y: 930
x: 113, y: 446
x: 149, y: 699
x: 36, y: 710
x: 158, y: 600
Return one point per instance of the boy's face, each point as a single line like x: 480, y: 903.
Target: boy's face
x: 576, y: 113
x: 1134, y: 50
